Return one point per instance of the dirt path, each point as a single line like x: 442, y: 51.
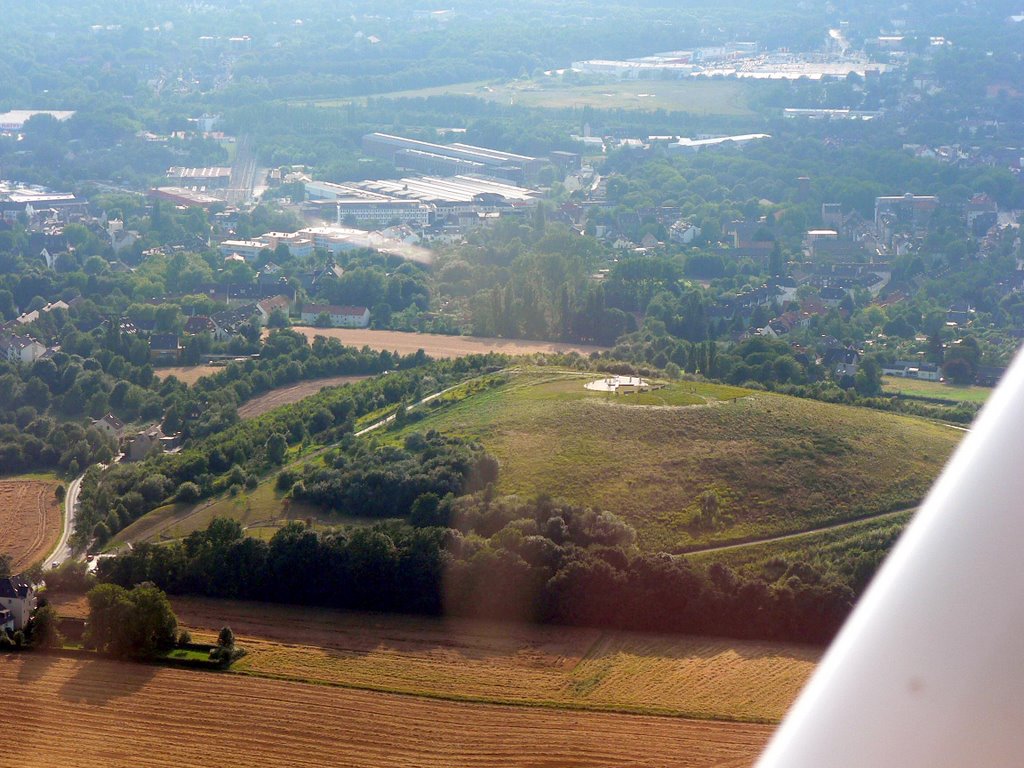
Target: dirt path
x: 291, y: 394
x: 801, y: 534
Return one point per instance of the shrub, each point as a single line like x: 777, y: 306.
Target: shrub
x: 285, y: 479
x: 189, y: 492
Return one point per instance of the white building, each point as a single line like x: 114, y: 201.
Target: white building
x: 18, y: 596
x: 247, y: 249
x: 20, y: 349
x: 299, y: 245
x: 340, y: 317
x: 111, y: 426
x: 267, y: 307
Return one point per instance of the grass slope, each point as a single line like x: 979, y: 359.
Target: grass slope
x: 778, y: 464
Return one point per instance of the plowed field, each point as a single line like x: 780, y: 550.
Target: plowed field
x: 507, y: 663
x: 30, y: 521
x: 290, y: 394
x: 438, y: 345
x: 103, y: 713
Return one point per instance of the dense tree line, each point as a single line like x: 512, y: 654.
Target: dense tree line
x: 502, y: 558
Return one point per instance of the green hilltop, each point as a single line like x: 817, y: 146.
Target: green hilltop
x: 694, y: 464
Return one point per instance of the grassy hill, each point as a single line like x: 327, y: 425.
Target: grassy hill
x: 776, y: 464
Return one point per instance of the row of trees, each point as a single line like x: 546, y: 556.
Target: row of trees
x: 502, y: 559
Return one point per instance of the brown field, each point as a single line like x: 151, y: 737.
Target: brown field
x: 291, y: 394
x: 437, y: 345
x: 562, y: 667
x: 104, y: 713
x: 188, y: 374
x: 30, y: 520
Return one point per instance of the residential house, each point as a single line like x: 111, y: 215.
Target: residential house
x: 683, y: 232
x: 841, y: 361
x: 164, y: 348
x: 960, y: 314
x: 786, y: 323
x: 266, y: 307
x: 312, y: 279
x: 228, y: 324
x: 18, y: 596
x: 340, y: 317
x: 982, y: 214
x: 31, y: 317
x: 148, y: 441
x: 111, y: 426
x: 198, y: 324
x: 120, y: 238
x: 831, y: 296
x: 16, y: 348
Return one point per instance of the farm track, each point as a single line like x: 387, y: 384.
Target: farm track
x: 127, y: 714
x: 30, y: 521
x: 799, y: 534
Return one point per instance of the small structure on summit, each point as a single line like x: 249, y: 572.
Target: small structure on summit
x: 620, y: 385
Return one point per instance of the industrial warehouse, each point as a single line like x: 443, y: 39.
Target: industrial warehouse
x: 418, y: 201
x: 452, y: 159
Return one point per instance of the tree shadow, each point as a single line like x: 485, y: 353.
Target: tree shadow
x: 31, y: 666
x: 98, y: 682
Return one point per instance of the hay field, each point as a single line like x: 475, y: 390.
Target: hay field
x: 778, y: 464
x: 439, y: 345
x: 100, y: 713
x: 275, y: 398
x: 562, y: 667
x: 30, y: 521
x: 457, y: 659
x: 188, y: 374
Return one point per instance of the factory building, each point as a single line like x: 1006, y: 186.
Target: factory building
x: 420, y: 201
x: 452, y: 159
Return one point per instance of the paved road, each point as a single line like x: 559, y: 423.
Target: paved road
x: 62, y: 551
